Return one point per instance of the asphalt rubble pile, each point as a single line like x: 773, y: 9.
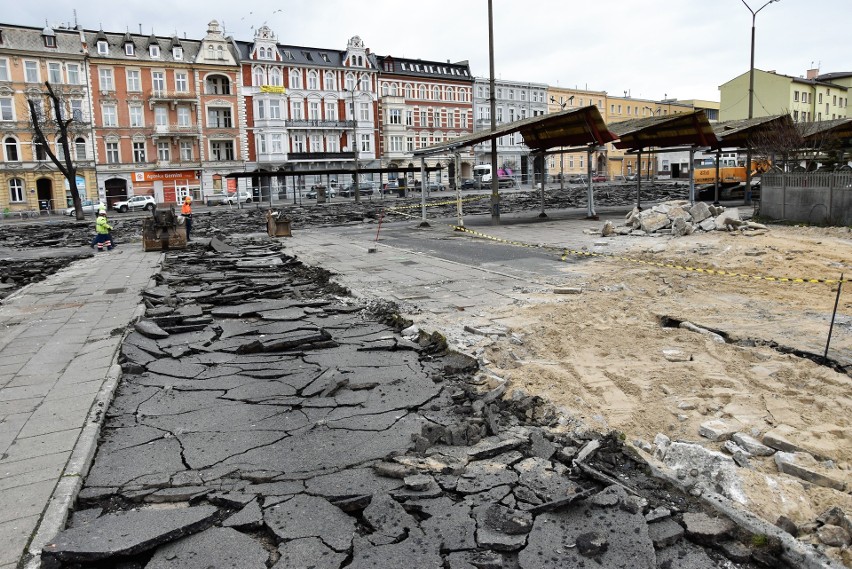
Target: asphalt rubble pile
x: 265, y: 419
x: 678, y: 218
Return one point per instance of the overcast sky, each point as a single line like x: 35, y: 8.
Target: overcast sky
x: 650, y: 48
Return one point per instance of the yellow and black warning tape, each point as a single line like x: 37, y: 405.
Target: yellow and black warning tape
x: 565, y: 253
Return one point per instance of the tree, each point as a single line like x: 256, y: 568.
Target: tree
x: 61, y: 126
x: 781, y: 142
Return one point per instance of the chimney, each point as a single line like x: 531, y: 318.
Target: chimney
x: 813, y: 73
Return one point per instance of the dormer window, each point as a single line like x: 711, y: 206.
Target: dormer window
x: 49, y: 41
x: 103, y: 47
x: 154, y: 50
x: 177, y: 52
x: 129, y: 49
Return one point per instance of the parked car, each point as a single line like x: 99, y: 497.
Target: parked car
x: 365, y: 189
x: 577, y: 180
x: 243, y: 197
x: 631, y: 177
x: 434, y: 187
x: 313, y: 192
x: 468, y: 184
x: 391, y: 187
x: 136, y: 203
x: 599, y: 178
x: 88, y: 206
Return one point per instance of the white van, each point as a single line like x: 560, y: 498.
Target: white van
x: 482, y: 175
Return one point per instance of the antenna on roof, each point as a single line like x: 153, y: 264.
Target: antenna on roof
x: 75, y: 17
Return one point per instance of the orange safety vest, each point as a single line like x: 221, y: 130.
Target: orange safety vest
x: 186, y: 209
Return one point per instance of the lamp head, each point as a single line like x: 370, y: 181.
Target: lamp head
x: 571, y: 98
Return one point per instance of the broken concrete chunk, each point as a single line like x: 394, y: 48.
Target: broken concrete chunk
x: 665, y: 533
x: 676, y: 356
x: 216, y: 547
x: 804, y: 466
x: 568, y: 290
x: 704, y: 529
x: 752, y: 445
x: 717, y: 430
x: 150, y: 330
x: 834, y: 536
x: 308, y: 552
x: 127, y: 533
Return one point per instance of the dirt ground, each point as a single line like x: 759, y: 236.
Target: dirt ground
x: 601, y: 353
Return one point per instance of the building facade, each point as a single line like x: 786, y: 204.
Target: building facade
x: 167, y: 121
x: 514, y: 100
x: 29, y: 57
x: 813, y: 97
x: 422, y: 103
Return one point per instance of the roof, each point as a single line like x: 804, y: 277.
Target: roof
x: 426, y: 69
x: 818, y: 131
x: 681, y: 129
x: 737, y: 133
x: 574, y: 127
x: 31, y: 41
x: 297, y: 55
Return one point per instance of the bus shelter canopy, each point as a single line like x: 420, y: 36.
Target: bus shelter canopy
x: 678, y: 130
x: 574, y: 127
x: 741, y: 133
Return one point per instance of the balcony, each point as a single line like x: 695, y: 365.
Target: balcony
x: 321, y: 156
x: 317, y: 123
x: 171, y: 97
x: 175, y: 130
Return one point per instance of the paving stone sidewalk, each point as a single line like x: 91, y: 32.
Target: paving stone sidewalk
x: 58, y: 342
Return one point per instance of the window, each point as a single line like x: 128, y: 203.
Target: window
x: 409, y: 144
x: 219, y: 117
x: 365, y: 83
x: 314, y: 111
x: 185, y: 150
x: 365, y: 143
x: 330, y: 111
x: 154, y: 50
x: 177, y: 52
x: 50, y: 40
x: 161, y: 116
x: 163, y: 152
x: 436, y: 93
x: 275, y: 77
x: 451, y: 94
x: 257, y: 76
x: 409, y: 118
x: 76, y: 107
x: 819, y: 100
x: 134, y: 80
x: 139, y: 152
x: 394, y: 116
x: 218, y: 85
x: 395, y: 144
x: 80, y: 148
x: 31, y: 72
x: 295, y: 79
x: 54, y: 72
x: 4, y: 69
x: 103, y: 47
x: 276, y: 143
x: 10, y: 145
x: 110, y: 116
x: 795, y: 96
x: 330, y: 83
x: 184, y: 118
x: 298, y: 143
x: 181, y: 82
x: 112, y: 153
x: 222, y: 150
x: 350, y: 82
x: 137, y: 116
x: 275, y: 109
x: 158, y: 81
x: 332, y: 144
x: 313, y: 80
x: 129, y: 49
x: 16, y: 190
x: 40, y: 152
x: 421, y: 92
x: 261, y: 141
x: 105, y: 79
x: 296, y: 110
x: 316, y: 143
x: 6, y: 109
x: 365, y: 111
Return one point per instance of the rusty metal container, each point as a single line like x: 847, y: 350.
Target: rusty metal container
x: 163, y: 231
x: 277, y: 226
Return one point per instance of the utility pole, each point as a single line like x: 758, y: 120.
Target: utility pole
x: 495, y: 183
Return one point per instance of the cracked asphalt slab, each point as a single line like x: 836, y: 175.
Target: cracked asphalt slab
x: 266, y: 419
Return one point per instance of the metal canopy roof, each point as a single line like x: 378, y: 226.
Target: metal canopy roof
x: 574, y: 127
x: 820, y: 130
x: 682, y: 129
x: 738, y: 133
x: 351, y: 171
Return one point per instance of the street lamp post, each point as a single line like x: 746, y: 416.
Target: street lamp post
x: 751, y: 96
x: 357, y: 182
x: 562, y: 103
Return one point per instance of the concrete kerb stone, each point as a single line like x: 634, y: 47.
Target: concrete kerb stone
x: 795, y: 552
x: 55, y: 515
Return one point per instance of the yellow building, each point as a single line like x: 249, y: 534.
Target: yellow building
x: 29, y: 57
x: 810, y: 98
x: 569, y: 165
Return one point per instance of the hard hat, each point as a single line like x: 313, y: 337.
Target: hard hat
x: 102, y: 208
x: 187, y: 199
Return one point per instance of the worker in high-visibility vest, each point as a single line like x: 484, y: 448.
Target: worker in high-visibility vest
x: 103, y: 228
x: 186, y: 212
